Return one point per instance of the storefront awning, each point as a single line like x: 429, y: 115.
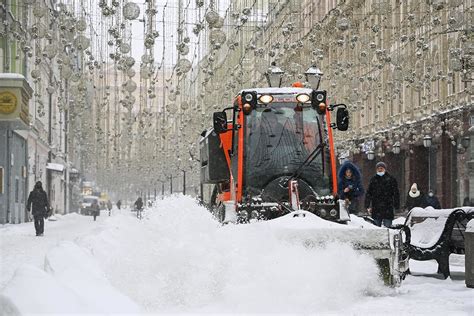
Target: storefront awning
x: 55, y: 167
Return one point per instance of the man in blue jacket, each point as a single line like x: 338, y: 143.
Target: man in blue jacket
x: 350, y: 186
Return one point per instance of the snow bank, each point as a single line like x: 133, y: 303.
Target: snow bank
x: 190, y: 263
x: 71, y: 282
x: 34, y: 291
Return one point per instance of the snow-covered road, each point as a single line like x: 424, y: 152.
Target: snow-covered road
x: 178, y: 259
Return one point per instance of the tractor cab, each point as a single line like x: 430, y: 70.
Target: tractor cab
x: 274, y: 136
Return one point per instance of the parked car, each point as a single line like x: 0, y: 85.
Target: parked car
x: 86, y: 205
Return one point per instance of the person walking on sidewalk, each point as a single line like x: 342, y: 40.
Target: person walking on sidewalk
x: 38, y: 206
x: 95, y: 209
x: 415, y: 198
x: 383, y: 196
x: 109, y: 207
x: 432, y: 200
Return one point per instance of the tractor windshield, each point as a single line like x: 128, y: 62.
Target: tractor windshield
x: 280, y: 136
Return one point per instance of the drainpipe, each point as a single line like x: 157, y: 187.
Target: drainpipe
x: 8, y: 175
x: 50, y: 136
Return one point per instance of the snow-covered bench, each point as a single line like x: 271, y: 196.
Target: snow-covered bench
x: 435, y: 234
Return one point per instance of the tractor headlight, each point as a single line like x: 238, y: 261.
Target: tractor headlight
x: 303, y: 98
x: 248, y: 97
x: 319, y: 97
x: 266, y: 98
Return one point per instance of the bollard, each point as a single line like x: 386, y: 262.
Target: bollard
x: 469, y: 257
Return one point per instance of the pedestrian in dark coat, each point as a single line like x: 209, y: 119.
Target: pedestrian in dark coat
x: 38, y: 205
x: 139, y: 203
x: 119, y: 203
x: 432, y: 200
x: 95, y: 209
x: 415, y: 198
x: 382, y: 197
x: 350, y: 186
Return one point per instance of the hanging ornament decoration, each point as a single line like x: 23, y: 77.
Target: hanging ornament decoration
x: 184, y: 65
x: 343, y: 24
x: 212, y: 18
x: 131, y: 11
x: 124, y: 48
x: 50, y: 51
x: 130, y: 72
x: 145, y: 72
x: 81, y: 25
x: 130, y: 86
x: 183, y: 49
x: 217, y: 37
x: 35, y: 74
x: 39, y: 11
x: 81, y: 42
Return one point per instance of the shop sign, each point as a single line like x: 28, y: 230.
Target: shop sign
x: 8, y: 102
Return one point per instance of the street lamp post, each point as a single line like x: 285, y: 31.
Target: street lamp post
x: 171, y: 184
x: 184, y: 182
x: 313, y: 77
x: 465, y: 142
x: 274, y: 76
x: 396, y: 148
x: 427, y: 140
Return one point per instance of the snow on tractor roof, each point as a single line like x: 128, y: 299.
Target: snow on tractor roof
x: 286, y: 90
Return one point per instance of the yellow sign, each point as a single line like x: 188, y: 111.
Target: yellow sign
x: 8, y: 102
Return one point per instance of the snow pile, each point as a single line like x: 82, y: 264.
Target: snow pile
x: 189, y: 263
x: 70, y: 282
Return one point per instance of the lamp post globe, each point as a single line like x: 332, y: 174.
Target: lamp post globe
x: 427, y: 140
x: 465, y: 142
x: 370, y: 155
x: 396, y: 148
x: 313, y: 77
x: 274, y: 75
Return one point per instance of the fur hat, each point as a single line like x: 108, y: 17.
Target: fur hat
x: 381, y: 164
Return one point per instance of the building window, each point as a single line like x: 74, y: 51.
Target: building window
x: 17, y: 190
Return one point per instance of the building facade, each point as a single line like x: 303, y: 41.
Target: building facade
x: 404, y: 68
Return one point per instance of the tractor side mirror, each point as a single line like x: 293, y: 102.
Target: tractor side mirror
x: 342, y: 119
x: 220, y: 122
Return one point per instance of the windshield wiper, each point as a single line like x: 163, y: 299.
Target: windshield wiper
x: 315, y: 153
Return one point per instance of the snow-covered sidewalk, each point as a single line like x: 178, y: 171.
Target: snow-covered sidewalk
x: 178, y: 259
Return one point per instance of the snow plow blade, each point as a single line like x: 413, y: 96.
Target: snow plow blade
x: 386, y: 245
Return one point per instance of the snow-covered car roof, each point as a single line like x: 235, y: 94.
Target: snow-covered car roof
x: 286, y: 90
x: 90, y: 197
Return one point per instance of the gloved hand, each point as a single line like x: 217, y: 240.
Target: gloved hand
x: 30, y: 217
